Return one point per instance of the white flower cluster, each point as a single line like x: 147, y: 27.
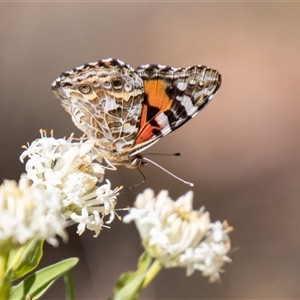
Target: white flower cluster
x: 28, y: 213
x: 178, y: 236
x: 72, y: 170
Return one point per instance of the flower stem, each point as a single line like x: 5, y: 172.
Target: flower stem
x: 69, y: 286
x: 3, y: 264
x: 152, y: 272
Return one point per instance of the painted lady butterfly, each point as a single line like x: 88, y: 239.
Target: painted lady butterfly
x: 127, y: 110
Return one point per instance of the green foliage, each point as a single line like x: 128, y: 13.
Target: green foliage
x: 25, y: 259
x: 38, y: 283
x: 130, y: 284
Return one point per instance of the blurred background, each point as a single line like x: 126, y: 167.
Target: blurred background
x: 241, y: 151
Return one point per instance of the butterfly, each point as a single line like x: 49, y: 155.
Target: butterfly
x: 127, y: 110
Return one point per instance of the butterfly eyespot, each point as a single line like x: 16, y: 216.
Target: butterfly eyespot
x: 85, y: 88
x: 117, y: 83
x: 107, y: 84
x: 95, y: 83
x: 128, y: 87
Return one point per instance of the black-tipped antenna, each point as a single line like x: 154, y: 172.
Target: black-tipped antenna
x: 136, y: 185
x: 159, y: 166
x: 165, y: 154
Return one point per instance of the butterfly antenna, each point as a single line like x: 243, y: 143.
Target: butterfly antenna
x: 164, y: 154
x: 159, y: 166
x: 136, y: 185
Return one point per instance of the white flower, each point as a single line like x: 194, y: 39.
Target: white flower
x: 72, y: 170
x: 26, y: 213
x: 178, y: 236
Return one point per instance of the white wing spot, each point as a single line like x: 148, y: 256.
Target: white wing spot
x: 145, y: 66
x: 121, y: 62
x: 192, y: 82
x: 161, y: 66
x: 181, y: 85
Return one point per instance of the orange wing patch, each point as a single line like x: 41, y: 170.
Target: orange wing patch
x: 157, y: 97
x: 157, y: 101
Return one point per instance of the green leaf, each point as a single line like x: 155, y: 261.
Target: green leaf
x: 38, y: 283
x: 26, y: 258
x: 129, y: 285
x: 41, y: 292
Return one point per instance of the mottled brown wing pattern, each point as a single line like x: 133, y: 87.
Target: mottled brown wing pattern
x: 105, y: 101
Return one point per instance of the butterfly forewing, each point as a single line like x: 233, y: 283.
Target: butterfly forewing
x: 173, y: 96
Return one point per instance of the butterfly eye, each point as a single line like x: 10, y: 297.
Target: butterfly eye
x: 137, y: 161
x: 85, y: 88
x: 117, y: 83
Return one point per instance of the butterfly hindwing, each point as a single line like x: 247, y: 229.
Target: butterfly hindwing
x: 105, y: 101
